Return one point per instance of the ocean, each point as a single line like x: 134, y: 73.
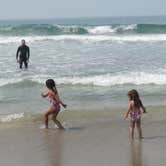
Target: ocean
x: 94, y: 61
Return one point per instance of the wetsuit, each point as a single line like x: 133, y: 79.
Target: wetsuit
x: 23, y: 53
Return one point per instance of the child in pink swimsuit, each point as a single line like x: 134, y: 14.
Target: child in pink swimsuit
x: 55, y: 103
x: 135, y: 111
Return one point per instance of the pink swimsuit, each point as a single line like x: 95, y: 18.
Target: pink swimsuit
x: 55, y: 104
x: 135, y: 114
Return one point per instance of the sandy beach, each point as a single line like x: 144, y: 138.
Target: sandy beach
x: 100, y: 140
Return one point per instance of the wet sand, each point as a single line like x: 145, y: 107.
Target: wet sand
x: 100, y: 142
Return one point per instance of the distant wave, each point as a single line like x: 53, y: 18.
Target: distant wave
x: 87, y: 38
x: 50, y: 29
x: 41, y: 29
x: 136, y: 78
x: 113, y: 29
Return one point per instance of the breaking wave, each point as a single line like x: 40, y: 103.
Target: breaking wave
x: 50, y: 29
x: 136, y: 78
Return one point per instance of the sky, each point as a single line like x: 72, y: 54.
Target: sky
x: 42, y: 9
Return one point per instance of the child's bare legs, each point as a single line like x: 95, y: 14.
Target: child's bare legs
x: 55, y: 113
x: 49, y: 112
x: 132, y: 126
x: 138, y: 123
x: 46, y: 118
x: 57, y: 122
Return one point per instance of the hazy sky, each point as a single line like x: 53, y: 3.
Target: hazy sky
x: 21, y: 9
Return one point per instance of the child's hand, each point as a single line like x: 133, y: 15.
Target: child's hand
x: 144, y: 111
x: 126, y: 116
x: 64, y: 105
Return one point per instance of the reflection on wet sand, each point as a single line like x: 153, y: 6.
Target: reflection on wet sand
x: 53, y: 144
x: 136, y: 153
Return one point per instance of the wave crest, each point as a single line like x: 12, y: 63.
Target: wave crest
x: 87, y: 38
x: 136, y: 78
x: 114, y: 29
x: 50, y: 29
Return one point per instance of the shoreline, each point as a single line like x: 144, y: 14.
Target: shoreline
x: 93, y: 142
x: 77, y: 116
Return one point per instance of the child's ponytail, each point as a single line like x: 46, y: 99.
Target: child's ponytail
x: 54, y: 90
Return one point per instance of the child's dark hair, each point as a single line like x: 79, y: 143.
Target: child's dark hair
x: 134, y: 95
x: 50, y: 83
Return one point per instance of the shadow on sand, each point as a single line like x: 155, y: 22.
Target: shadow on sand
x: 154, y: 137
x: 75, y: 128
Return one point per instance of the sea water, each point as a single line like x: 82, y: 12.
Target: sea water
x: 94, y: 61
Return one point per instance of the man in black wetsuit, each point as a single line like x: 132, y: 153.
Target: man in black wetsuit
x: 23, y: 54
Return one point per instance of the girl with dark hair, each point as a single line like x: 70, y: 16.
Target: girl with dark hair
x: 137, y: 95
x: 135, y: 110
x: 55, y: 103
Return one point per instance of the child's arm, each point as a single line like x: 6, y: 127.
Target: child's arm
x: 44, y: 94
x: 127, y: 113
x: 60, y: 101
x: 143, y: 108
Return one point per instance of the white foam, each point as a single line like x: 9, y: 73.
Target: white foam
x: 101, y: 30
x: 9, y: 118
x: 9, y: 81
x: 127, y: 27
x: 137, y: 78
x: 88, y: 38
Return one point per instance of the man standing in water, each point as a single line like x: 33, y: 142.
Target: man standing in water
x: 23, y: 54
